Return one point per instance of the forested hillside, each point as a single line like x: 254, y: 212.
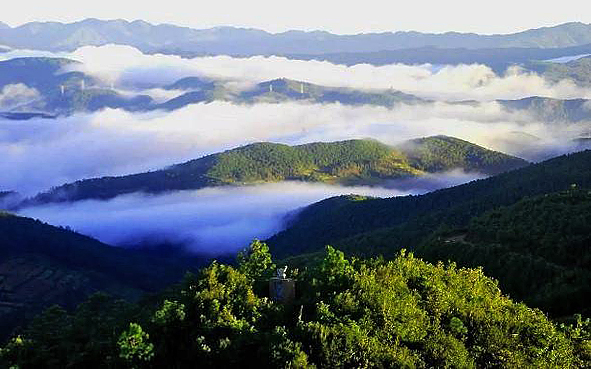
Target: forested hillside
x: 539, y: 249
x: 348, y: 313
x: 352, y: 162
x: 42, y: 265
x: 441, y: 153
x: 528, y: 228
x: 415, y: 217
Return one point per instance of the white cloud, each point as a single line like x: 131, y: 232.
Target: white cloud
x: 11, y: 96
x: 461, y: 82
x: 212, y: 220
x: 40, y: 153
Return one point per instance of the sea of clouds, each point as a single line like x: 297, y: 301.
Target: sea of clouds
x: 40, y: 153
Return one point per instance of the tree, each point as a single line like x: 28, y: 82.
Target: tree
x: 134, y: 346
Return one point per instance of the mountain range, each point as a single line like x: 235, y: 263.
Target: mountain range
x: 55, y: 36
x: 495, y: 272
x: 486, y: 222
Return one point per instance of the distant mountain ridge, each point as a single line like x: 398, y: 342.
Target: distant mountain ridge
x: 55, y: 36
x: 498, y: 58
x: 82, y: 93
x: 352, y: 162
x: 551, y: 110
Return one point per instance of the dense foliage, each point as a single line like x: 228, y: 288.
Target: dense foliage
x: 345, y: 162
x: 536, y: 246
x: 539, y: 249
x: 348, y: 313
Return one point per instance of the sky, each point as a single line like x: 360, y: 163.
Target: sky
x: 500, y: 16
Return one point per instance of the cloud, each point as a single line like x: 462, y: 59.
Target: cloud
x: 461, y: 82
x: 11, y: 96
x: 40, y: 153
x: 213, y: 220
x: 128, y: 66
x: 158, y: 95
x: 434, y: 181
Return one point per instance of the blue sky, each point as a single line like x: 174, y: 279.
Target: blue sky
x: 345, y: 17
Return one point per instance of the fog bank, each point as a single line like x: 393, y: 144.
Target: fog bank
x: 41, y: 153
x: 213, y: 220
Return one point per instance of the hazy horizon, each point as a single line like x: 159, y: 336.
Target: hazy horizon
x: 335, y: 17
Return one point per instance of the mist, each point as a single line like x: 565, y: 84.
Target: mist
x: 13, y: 95
x: 39, y: 153
x: 128, y: 65
x: 212, y: 221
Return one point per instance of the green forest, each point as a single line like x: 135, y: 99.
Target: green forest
x: 348, y: 312
x: 492, y: 273
x: 528, y: 228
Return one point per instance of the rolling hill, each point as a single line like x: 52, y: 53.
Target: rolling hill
x: 82, y: 93
x: 350, y: 162
x: 284, y: 89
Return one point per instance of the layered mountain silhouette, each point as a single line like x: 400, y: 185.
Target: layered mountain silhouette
x: 55, y: 36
